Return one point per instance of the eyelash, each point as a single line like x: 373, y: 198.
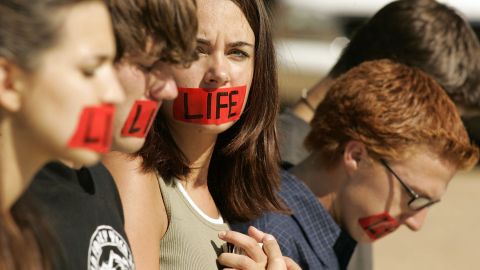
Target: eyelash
x: 243, y: 54
x: 89, y: 72
x: 237, y: 52
x: 145, y: 68
x: 149, y: 68
x: 201, y: 50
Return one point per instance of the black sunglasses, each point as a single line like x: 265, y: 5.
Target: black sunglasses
x: 416, y: 202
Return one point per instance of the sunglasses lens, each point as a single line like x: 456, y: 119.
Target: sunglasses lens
x: 420, y: 203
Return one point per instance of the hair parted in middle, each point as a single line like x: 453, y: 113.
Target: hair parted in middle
x: 170, y: 26
x: 243, y: 173
x: 393, y: 110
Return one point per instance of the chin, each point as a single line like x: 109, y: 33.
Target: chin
x: 127, y: 145
x: 83, y: 157
x: 360, y: 236
x: 364, y: 239
x: 209, y: 129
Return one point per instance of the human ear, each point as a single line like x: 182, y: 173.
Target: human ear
x: 10, y: 86
x: 354, y: 154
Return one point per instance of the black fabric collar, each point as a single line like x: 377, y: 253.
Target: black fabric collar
x: 344, y: 247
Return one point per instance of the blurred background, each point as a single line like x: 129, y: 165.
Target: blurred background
x: 310, y: 35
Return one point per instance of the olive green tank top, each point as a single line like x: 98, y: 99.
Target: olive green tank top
x: 191, y: 240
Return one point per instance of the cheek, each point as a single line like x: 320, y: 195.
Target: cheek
x: 133, y: 82
x: 54, y: 107
x: 360, y: 199
x: 94, y: 130
x: 369, y: 209
x: 189, y: 77
x: 242, y: 74
x: 140, y: 119
x: 379, y: 225
x: 59, y: 101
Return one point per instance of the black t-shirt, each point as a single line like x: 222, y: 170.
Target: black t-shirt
x: 84, y: 213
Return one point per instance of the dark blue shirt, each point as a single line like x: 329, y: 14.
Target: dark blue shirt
x: 309, y: 236
x: 85, y: 216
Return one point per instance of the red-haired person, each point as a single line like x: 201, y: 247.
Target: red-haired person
x: 385, y: 143
x: 425, y: 34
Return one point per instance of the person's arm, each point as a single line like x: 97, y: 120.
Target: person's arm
x: 145, y: 216
x: 306, y: 106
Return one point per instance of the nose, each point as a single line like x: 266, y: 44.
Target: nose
x: 112, y: 92
x: 217, y: 74
x: 415, y: 221
x: 163, y: 86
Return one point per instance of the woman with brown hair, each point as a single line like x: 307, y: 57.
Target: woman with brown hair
x: 211, y: 157
x: 57, y: 86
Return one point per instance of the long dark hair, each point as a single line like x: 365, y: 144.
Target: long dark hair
x: 26, y: 242
x: 243, y: 173
x: 27, y: 29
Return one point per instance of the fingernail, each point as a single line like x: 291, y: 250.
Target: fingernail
x: 222, y: 234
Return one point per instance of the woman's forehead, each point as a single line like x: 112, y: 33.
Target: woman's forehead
x: 223, y: 18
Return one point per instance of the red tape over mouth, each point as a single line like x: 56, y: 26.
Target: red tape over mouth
x: 209, y: 106
x: 140, y: 119
x: 94, y: 130
x: 379, y: 225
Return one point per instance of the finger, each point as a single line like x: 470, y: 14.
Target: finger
x: 247, y: 243
x: 271, y: 247
x: 256, y: 234
x: 236, y: 261
x: 291, y: 264
x: 273, y: 252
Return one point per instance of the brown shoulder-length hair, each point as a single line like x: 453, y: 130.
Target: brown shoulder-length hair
x: 243, y: 173
x: 170, y: 25
x: 394, y: 110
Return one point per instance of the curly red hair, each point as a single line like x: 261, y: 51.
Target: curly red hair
x: 392, y: 109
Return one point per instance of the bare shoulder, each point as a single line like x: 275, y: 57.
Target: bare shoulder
x: 145, y: 216
x: 139, y: 191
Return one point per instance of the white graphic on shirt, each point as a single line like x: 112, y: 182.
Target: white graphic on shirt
x: 108, y: 250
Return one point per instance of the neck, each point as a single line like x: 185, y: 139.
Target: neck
x: 325, y: 183
x: 20, y: 159
x: 197, y: 146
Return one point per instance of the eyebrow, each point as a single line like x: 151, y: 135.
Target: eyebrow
x: 240, y: 44
x: 97, y: 60
x: 232, y: 44
x: 103, y: 58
